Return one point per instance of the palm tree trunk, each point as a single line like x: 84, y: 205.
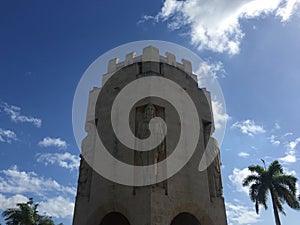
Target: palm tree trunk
x: 276, y: 215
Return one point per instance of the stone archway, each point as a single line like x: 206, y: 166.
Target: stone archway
x: 114, y: 218
x: 185, y: 219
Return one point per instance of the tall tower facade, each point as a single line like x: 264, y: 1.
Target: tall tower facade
x: 190, y: 197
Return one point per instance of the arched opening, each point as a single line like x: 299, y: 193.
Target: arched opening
x: 185, y: 219
x: 114, y: 218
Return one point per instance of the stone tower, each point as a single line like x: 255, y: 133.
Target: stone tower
x: 189, y: 197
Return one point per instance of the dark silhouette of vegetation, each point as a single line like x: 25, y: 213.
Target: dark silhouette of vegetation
x: 272, y: 180
x: 26, y: 214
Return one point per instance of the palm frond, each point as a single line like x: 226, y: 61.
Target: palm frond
x: 287, y: 180
x: 278, y: 203
x: 253, y: 191
x: 262, y: 195
x: 275, y: 168
x: 257, y: 207
x: 249, y: 179
x: 264, y: 181
x: 258, y: 169
x: 288, y: 196
x: 25, y: 214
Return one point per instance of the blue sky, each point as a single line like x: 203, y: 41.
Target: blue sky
x: 45, y: 47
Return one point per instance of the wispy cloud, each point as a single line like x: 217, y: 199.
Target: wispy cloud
x: 289, y: 158
x: 254, y: 147
x: 243, y: 154
x: 237, y: 177
x: 287, y: 134
x: 249, y: 127
x: 273, y: 140
x: 7, y: 136
x: 15, y: 114
x: 277, y: 126
x: 10, y: 202
x: 293, y: 144
x: 210, y: 70
x: 53, y: 142
x: 18, y: 182
x: 65, y: 160
x: 288, y: 10
x: 145, y: 18
x: 220, y: 116
x: 215, y: 25
x: 240, y: 214
x: 207, y: 73
x: 290, y: 154
x: 59, y: 207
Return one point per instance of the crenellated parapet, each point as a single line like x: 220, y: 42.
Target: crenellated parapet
x: 150, y: 53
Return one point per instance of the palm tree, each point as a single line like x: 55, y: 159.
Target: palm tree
x: 26, y: 214
x: 272, y: 180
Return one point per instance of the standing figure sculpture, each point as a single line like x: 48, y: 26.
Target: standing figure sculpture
x: 157, y: 154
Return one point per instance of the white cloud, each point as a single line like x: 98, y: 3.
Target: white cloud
x: 207, y: 73
x: 215, y: 25
x: 241, y: 214
x: 289, y: 158
x: 13, y: 181
x: 273, y: 140
x: 290, y: 154
x: 292, y: 145
x: 276, y: 127
x: 289, y: 172
x: 293, y: 173
x: 10, y: 202
x: 58, y: 207
x: 249, y: 127
x: 65, y: 160
x: 53, y: 142
x: 220, y: 116
x: 286, y: 134
x: 15, y: 114
x: 7, y: 136
x: 145, y: 18
x: 253, y: 147
x: 17, y: 182
x: 209, y: 70
x: 286, y: 12
x: 237, y: 178
x: 243, y: 154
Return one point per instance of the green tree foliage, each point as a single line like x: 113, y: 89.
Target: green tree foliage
x: 272, y: 181
x: 26, y: 214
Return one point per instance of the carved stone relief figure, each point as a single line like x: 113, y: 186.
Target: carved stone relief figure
x: 159, y: 153
x: 217, y: 175
x: 214, y: 178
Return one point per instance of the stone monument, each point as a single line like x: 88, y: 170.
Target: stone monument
x: 190, y: 197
